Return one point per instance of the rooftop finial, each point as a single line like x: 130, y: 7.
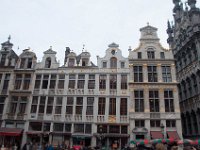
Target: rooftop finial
x: 83, y: 47
x: 9, y: 37
x: 147, y: 23
x: 50, y: 48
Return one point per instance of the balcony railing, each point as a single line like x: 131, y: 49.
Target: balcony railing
x: 77, y: 118
x: 124, y: 119
x: 100, y: 118
x: 68, y: 118
x: 89, y: 118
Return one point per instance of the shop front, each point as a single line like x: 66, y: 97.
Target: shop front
x: 83, y: 140
x: 10, y: 137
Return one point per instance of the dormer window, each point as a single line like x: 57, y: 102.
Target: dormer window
x: 150, y: 53
x: 29, y: 63
x: 23, y: 60
x: 48, y: 63
x: 71, y: 62
x: 3, y: 59
x: 84, y: 62
x: 162, y: 55
x: 104, y: 64
x: 113, y: 62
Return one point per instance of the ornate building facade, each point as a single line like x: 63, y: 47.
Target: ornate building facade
x: 154, y: 111
x: 79, y: 103
x: 184, y: 40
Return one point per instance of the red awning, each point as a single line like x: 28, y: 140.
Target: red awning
x: 156, y: 135
x: 173, y: 135
x: 10, y: 131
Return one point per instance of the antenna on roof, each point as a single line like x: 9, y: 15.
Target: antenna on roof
x: 83, y: 47
x: 9, y: 37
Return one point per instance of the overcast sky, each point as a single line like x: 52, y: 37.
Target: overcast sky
x: 39, y: 24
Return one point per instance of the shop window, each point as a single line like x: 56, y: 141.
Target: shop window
x: 35, y: 126
x: 78, y: 128
x: 58, y: 127
x: 155, y: 123
x: 68, y: 127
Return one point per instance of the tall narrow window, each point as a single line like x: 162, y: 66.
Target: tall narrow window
x: 112, y: 106
x: 61, y: 81
x: 2, y: 101
x: 123, y: 106
x: 52, y: 81
x: 139, y: 100
x: 45, y: 81
x: 13, y: 104
x: 90, y: 102
x: 171, y: 123
x: 104, y: 64
x: 102, y: 82
x: 155, y: 123
x: 138, y: 74
x: 81, y: 81
x: 150, y: 54
x: 49, y: 105
x: 3, y: 59
x: 27, y: 80
x: 162, y: 55
x: 72, y: 81
x: 154, y: 101
x: 22, y: 105
x: 69, y: 107
x: 124, y: 81
x: 152, y: 74
x: 79, y: 105
x: 101, y: 106
x: 113, y: 81
x: 34, y: 104
x: 48, y: 62
x: 0, y: 78
x: 139, y: 55
x: 122, y: 64
x: 169, y: 101
x: 6, y: 82
x: 23, y: 61
x: 91, y: 82
x: 166, y: 74
x: 29, y: 65
x: 113, y: 62
x: 58, y: 108
x: 37, y: 81
x: 42, y: 104
x: 18, y: 81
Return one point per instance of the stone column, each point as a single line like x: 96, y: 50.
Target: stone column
x: 161, y: 98
x: 159, y: 72
x: 145, y: 73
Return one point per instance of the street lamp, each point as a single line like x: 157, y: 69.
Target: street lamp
x: 101, y: 135
x: 162, y: 129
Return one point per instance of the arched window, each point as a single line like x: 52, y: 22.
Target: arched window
x: 48, y: 63
x: 113, y: 62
